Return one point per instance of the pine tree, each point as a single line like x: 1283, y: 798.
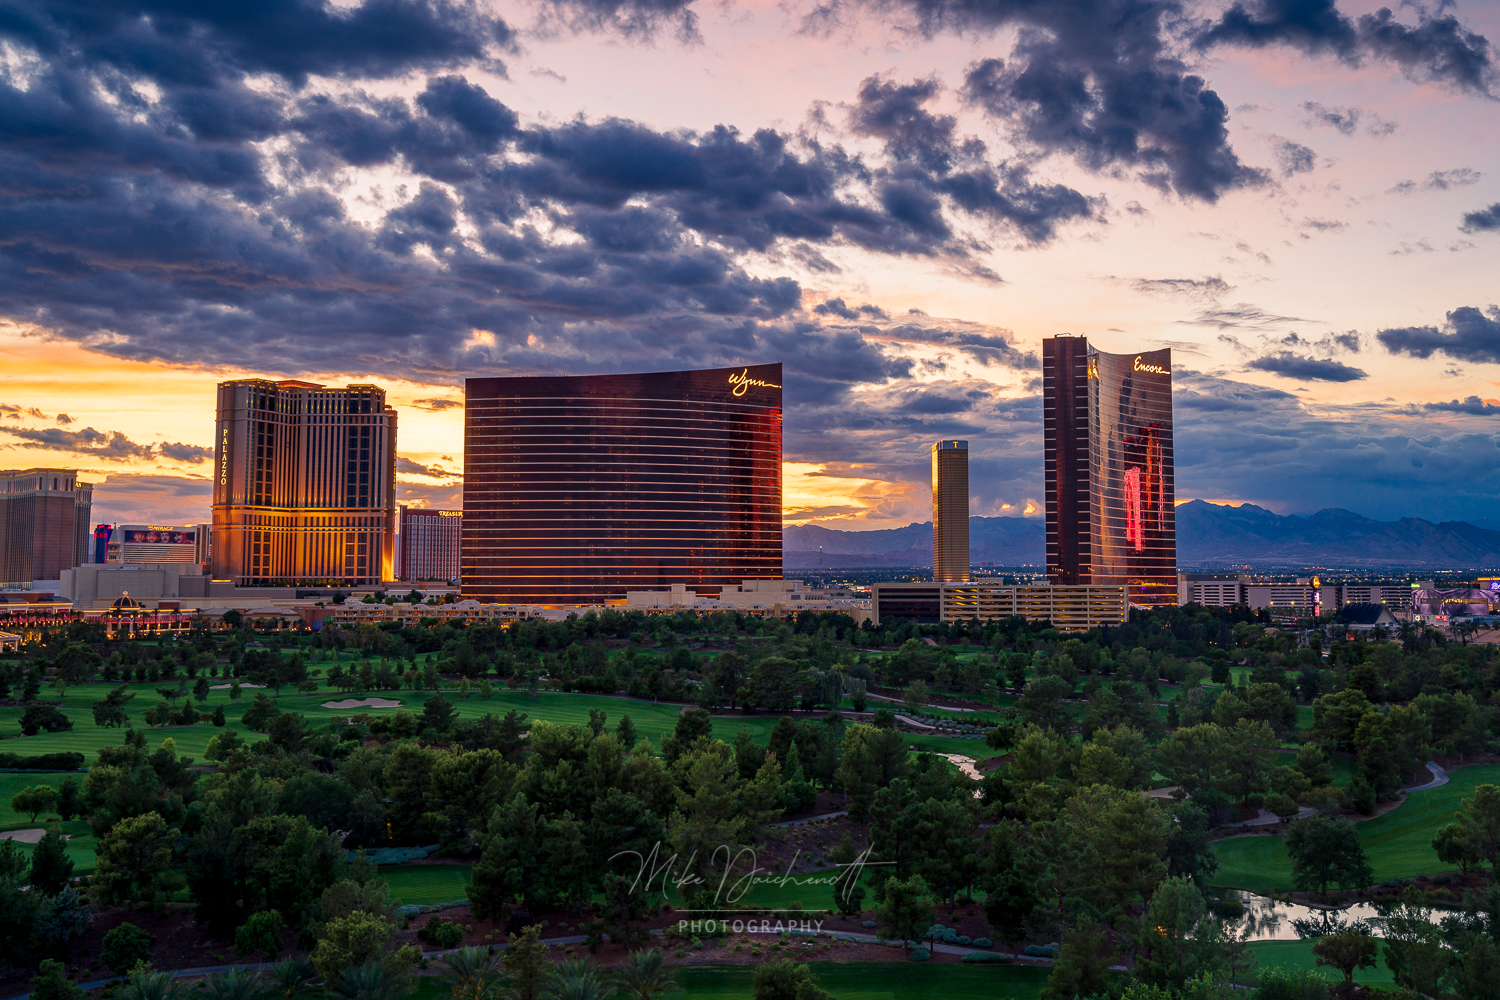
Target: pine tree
x: 625, y: 732
x: 51, y: 868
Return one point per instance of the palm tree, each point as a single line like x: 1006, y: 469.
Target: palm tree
x: 290, y: 980
x: 643, y: 975
x: 474, y: 973
x: 371, y: 981
x: 236, y: 984
x: 152, y: 986
x: 577, y: 979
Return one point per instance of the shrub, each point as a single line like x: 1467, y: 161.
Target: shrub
x: 985, y: 958
x: 1279, y: 983
x: 442, y: 934
x: 261, y: 935
x: 919, y: 954
x: 983, y: 943
x: 124, y: 946
x: 1041, y: 950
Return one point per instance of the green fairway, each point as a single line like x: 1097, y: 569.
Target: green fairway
x: 1399, y: 843
x: 652, y: 721
x: 1299, y: 955
x: 426, y: 885
x: 880, y: 981
x: 10, y: 784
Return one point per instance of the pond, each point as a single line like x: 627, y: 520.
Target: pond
x: 1273, y: 920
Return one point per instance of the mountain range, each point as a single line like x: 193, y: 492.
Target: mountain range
x: 1206, y: 533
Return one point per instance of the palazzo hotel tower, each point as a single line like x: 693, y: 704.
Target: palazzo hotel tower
x: 304, y: 490
x: 1107, y: 425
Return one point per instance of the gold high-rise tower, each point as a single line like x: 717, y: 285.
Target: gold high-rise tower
x: 950, y: 511
x: 305, y: 485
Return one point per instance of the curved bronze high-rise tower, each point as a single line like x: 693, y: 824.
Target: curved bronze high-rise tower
x: 577, y: 488
x: 1108, y: 437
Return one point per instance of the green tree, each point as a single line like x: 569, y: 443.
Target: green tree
x: 51, y: 868
x: 474, y: 973
x: 235, y: 984
x: 1480, y: 818
x: 69, y: 798
x: 38, y: 717
x: 692, y: 723
x: 357, y: 939
x: 1123, y: 836
x: 1326, y: 850
x: 1041, y: 701
x: 1414, y: 949
x: 109, y: 712
x: 374, y: 980
x: 907, y: 910
x: 125, y: 946
x: 526, y: 962
x: 1193, y: 757
x: 51, y: 982
x: 577, y: 979
x: 134, y: 862
x: 1080, y: 969
x: 261, y: 935
x: 644, y: 975
x: 1346, y: 951
x: 1453, y: 847
x: 34, y: 799
x: 626, y: 733
x: 1116, y: 756
x: 872, y: 759
x: 785, y: 980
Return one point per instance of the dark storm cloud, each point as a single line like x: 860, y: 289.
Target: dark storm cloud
x: 1484, y: 220
x: 157, y: 221
x: 1470, y: 405
x: 837, y: 307
x: 179, y: 452
x: 1437, y: 48
x: 438, y: 405
x: 628, y: 17
x: 1295, y: 366
x: 1094, y: 80
x: 1468, y: 335
x: 111, y: 444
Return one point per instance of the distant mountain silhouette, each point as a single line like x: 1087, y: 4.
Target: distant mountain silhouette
x: 1249, y: 534
x: 1206, y: 533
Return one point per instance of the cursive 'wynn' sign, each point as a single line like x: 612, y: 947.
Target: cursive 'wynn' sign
x: 742, y: 382
x: 1153, y: 369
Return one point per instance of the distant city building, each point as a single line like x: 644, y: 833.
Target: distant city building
x: 430, y: 541
x: 580, y: 488
x: 753, y: 597
x: 1068, y: 608
x: 137, y: 544
x: 99, y: 551
x: 950, y: 510
x: 44, y: 524
x: 1107, y: 429
x: 305, y: 480
x: 1213, y: 590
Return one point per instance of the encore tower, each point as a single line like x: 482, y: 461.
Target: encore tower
x: 306, y: 484
x: 578, y: 488
x: 950, y: 511
x: 1108, y: 446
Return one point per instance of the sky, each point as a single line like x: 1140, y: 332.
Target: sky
x: 897, y: 200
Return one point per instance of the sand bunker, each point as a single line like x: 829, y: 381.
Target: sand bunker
x: 27, y: 836
x: 226, y: 687
x: 363, y: 703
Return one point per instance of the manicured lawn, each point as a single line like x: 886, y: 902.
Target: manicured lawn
x: 427, y: 884
x: 880, y: 981
x: 1399, y: 844
x: 1299, y: 955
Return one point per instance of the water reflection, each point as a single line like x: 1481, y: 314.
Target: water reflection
x: 1273, y: 920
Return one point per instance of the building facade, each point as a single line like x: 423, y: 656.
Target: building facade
x: 950, y: 510
x: 304, y: 492
x: 1213, y: 590
x: 1068, y: 607
x: 44, y: 524
x: 579, y: 488
x: 1107, y: 427
x: 430, y: 541
x: 151, y: 544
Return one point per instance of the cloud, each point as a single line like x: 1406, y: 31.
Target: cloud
x: 1096, y: 81
x: 1471, y: 405
x: 190, y: 453
x: 408, y: 467
x: 438, y: 404
x: 1442, y: 180
x: 1468, y: 335
x: 1324, y: 225
x: 17, y: 412
x: 836, y: 307
x: 1289, y: 365
x: 63, y: 419
x: 1484, y: 220
x: 88, y: 441
x: 1294, y: 157
x: 1195, y: 288
x: 1438, y: 48
x: 1243, y: 315
x: 1346, y: 120
x: 143, y: 498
